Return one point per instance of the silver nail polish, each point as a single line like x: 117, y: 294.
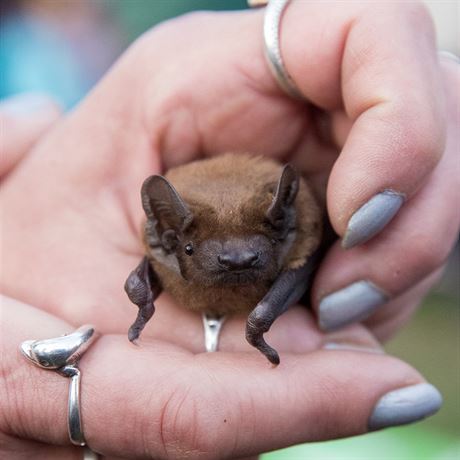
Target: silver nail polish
x: 405, y: 405
x: 351, y: 304
x: 372, y: 217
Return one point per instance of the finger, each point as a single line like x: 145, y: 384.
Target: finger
x: 417, y: 243
x: 24, y: 118
x: 161, y: 402
x: 12, y: 447
x: 390, y: 319
x: 380, y: 62
x: 379, y: 67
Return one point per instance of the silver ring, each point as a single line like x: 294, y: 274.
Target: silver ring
x: 62, y: 355
x: 272, y: 25
x: 212, y: 325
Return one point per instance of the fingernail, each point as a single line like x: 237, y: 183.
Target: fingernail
x: 351, y: 304
x: 405, y: 405
x: 352, y: 347
x: 26, y: 104
x: 449, y: 55
x: 372, y: 217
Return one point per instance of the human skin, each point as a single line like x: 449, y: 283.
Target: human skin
x: 73, y: 211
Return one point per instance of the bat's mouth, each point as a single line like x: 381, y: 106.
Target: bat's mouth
x: 238, y: 277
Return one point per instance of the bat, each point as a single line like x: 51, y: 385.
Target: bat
x: 234, y: 233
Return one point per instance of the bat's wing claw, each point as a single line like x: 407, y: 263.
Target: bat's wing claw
x: 254, y: 335
x: 142, y: 287
x: 133, y: 335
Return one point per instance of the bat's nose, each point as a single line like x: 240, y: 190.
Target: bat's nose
x: 238, y: 260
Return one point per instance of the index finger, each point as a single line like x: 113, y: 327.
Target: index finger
x: 379, y: 65
x: 24, y: 118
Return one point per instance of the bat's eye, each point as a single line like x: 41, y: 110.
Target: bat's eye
x: 188, y: 249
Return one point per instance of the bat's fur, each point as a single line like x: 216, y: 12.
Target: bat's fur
x: 228, y: 198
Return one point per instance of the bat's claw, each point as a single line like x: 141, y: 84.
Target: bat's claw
x: 270, y: 353
x: 133, y: 335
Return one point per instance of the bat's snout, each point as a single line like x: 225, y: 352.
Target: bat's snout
x: 237, y: 260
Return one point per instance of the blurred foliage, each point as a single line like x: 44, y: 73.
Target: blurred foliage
x: 431, y: 343
x: 414, y: 442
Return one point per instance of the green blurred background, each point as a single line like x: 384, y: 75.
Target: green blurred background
x: 64, y: 46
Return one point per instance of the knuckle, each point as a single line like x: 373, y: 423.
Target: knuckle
x: 257, y: 324
x: 428, y: 137
x: 414, y: 14
x: 11, y: 406
x: 419, y: 14
x: 184, y: 426
x: 428, y: 252
x: 257, y: 320
x: 192, y: 18
x: 166, y: 32
x: 422, y: 147
x: 417, y: 135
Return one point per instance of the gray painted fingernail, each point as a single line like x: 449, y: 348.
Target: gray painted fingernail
x: 449, y: 55
x: 351, y: 304
x: 405, y: 405
x: 372, y: 217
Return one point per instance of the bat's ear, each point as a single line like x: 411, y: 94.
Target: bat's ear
x: 163, y: 204
x: 285, y: 194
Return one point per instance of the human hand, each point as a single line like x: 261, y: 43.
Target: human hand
x: 385, y: 108
x: 163, y: 401
x: 24, y: 119
x: 73, y: 205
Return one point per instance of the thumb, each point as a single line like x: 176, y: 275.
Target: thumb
x: 23, y: 119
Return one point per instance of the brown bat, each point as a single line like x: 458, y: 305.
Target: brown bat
x: 235, y: 233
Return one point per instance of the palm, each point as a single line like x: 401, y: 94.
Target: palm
x: 85, y: 209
